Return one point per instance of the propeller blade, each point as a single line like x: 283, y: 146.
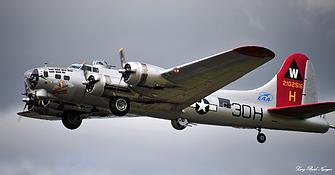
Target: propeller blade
x: 94, y: 81
x: 122, y: 57
x: 115, y: 92
x: 41, y: 76
x: 84, y: 69
x: 85, y: 74
x: 126, y: 71
x: 25, y: 106
x: 123, y: 71
x: 90, y: 82
x: 86, y: 82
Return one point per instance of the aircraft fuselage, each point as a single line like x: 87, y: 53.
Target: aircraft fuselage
x: 220, y: 108
x: 186, y: 94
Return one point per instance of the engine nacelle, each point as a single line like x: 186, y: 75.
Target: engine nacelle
x: 144, y: 75
x: 97, y: 88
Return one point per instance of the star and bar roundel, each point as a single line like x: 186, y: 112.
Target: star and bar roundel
x: 203, y: 106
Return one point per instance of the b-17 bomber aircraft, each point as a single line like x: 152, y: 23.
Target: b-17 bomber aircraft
x: 186, y: 95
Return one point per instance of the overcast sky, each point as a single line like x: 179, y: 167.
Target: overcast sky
x: 164, y: 33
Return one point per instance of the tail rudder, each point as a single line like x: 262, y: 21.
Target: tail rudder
x: 295, y: 82
x: 309, y: 93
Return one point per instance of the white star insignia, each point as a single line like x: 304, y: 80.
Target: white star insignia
x: 202, y: 106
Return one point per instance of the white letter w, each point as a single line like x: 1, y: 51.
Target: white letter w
x: 294, y: 73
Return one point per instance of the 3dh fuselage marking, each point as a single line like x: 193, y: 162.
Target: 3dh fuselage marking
x: 247, y: 111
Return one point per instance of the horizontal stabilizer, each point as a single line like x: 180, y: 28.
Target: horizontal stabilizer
x: 305, y: 110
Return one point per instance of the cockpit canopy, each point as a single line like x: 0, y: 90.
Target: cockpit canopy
x: 102, y: 64
x: 96, y: 64
x: 75, y: 66
x: 84, y: 67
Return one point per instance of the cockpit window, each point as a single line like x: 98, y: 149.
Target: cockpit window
x: 45, y: 74
x: 102, y: 64
x: 57, y: 76
x: 75, y: 66
x: 66, y: 77
x: 82, y: 67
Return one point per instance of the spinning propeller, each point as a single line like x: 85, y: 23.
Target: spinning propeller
x: 125, y: 67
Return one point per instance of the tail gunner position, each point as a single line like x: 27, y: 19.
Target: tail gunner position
x: 186, y: 94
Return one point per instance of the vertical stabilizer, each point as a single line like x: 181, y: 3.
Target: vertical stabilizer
x: 295, y: 82
x: 293, y: 85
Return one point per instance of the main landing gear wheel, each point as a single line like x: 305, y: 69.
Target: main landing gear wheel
x: 179, y: 124
x: 71, y: 120
x: 119, y: 106
x: 261, y: 138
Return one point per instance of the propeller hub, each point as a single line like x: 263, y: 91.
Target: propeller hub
x: 90, y: 82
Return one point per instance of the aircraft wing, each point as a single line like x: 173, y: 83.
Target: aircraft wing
x: 305, y: 110
x: 31, y: 114
x: 200, y: 78
x: 35, y: 115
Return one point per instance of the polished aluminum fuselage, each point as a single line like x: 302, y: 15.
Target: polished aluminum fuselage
x: 242, y: 108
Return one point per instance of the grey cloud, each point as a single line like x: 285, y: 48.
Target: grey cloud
x: 150, y: 146
x: 164, y: 33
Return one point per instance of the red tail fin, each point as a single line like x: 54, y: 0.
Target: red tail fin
x: 290, y: 80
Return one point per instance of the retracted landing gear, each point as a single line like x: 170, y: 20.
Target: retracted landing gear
x: 119, y: 106
x: 261, y: 138
x: 179, y: 123
x: 71, y: 120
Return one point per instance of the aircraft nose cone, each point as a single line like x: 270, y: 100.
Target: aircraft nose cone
x: 31, y: 78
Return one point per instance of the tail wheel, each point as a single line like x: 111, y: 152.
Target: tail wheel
x: 71, y: 120
x: 176, y: 124
x: 119, y: 106
x: 261, y: 138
